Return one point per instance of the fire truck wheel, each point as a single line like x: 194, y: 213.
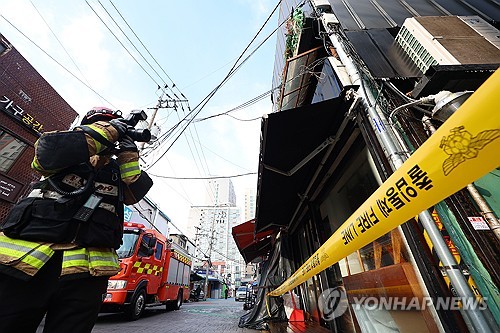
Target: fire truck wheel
x: 136, y: 308
x: 178, y: 301
x: 176, y: 305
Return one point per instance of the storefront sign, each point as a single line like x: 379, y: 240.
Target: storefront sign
x: 127, y: 214
x: 9, y: 189
x: 478, y: 223
x: 16, y: 112
x: 463, y: 149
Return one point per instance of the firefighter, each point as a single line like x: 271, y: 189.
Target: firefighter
x: 57, y: 245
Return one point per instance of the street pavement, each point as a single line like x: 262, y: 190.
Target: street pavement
x: 210, y: 316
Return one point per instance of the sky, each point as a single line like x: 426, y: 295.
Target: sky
x: 117, y: 53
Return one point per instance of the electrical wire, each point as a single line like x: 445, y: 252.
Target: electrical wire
x: 241, y: 106
x: 124, y: 47
x: 150, y: 66
x: 201, y: 178
x: 231, y: 72
x: 191, y: 148
x: 57, y: 62
x: 60, y: 43
x: 147, y: 50
x: 133, y: 45
x: 201, y: 158
x: 252, y: 119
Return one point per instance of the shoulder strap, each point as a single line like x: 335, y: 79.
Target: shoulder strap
x: 95, y: 135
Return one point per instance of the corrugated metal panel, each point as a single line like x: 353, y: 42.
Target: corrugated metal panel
x: 356, y: 15
x: 382, y: 55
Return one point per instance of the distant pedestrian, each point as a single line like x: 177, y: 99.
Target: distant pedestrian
x: 226, y: 292
x: 197, y: 292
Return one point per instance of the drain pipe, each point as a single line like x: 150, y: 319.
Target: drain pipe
x: 396, y: 157
x: 484, y: 208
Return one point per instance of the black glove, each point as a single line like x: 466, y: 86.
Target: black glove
x: 127, y: 144
x: 120, y: 126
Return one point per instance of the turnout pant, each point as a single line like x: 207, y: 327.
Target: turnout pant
x: 70, y: 305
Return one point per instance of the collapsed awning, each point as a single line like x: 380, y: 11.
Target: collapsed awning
x: 250, y: 244
x: 292, y: 147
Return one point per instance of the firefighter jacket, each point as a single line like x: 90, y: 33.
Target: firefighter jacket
x: 54, y: 216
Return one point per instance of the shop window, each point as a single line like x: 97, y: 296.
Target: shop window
x: 10, y: 150
x: 380, y: 270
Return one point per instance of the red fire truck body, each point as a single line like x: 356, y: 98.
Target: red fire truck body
x: 153, y: 272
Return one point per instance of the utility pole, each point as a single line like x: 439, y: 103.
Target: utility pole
x: 209, y: 259
x: 210, y: 242
x: 161, y: 104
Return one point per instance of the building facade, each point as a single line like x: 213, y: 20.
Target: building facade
x: 249, y: 204
x: 147, y: 212
x: 358, y: 88
x: 29, y: 106
x: 210, y: 226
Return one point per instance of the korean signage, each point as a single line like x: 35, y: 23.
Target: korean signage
x: 9, y: 189
x: 127, y: 214
x: 478, y: 223
x: 462, y: 150
x: 15, y: 111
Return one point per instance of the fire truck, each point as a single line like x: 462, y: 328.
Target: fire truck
x: 154, y: 271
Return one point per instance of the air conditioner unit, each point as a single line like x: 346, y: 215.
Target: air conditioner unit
x: 329, y: 21
x: 448, y: 40
x: 490, y: 33
x: 341, y: 72
x: 323, y: 6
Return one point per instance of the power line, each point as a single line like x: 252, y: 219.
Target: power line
x: 131, y: 43
x: 57, y: 62
x: 147, y: 50
x: 251, y: 119
x: 60, y: 43
x: 231, y: 72
x: 200, y: 178
x: 119, y: 41
x: 241, y: 106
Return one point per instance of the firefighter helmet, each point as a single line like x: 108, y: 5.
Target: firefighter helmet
x: 100, y: 113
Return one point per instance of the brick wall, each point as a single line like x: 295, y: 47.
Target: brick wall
x: 23, y: 88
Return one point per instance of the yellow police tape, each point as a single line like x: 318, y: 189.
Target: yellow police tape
x: 463, y: 149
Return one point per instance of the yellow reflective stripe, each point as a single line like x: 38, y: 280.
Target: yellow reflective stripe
x: 75, y: 263
x: 41, y: 247
x: 25, y: 258
x: 103, y: 258
x: 35, y: 165
x: 103, y: 263
x: 106, y: 253
x: 99, y: 147
x: 72, y: 258
x: 90, y: 259
x: 30, y: 253
x: 130, y: 169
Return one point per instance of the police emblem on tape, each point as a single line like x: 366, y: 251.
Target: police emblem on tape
x: 461, y: 146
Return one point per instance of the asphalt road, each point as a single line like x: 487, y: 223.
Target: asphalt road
x: 211, y: 316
